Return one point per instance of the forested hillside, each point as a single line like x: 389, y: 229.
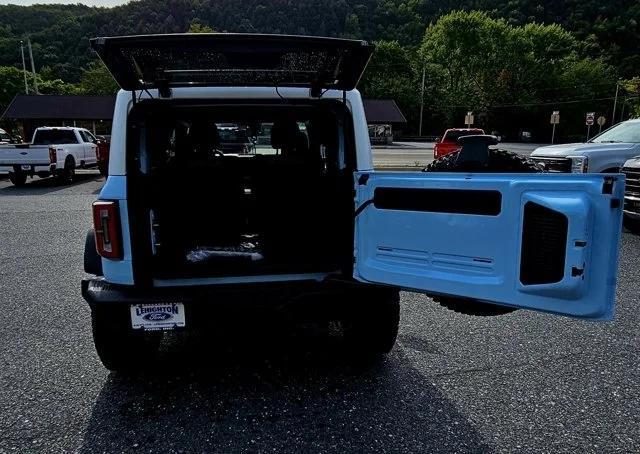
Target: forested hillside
x: 609, y: 28
x: 597, y: 39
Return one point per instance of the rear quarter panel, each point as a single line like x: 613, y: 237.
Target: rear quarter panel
x: 119, y: 271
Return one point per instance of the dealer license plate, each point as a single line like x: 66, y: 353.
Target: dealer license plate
x: 161, y: 316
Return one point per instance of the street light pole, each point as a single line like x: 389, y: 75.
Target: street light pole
x: 24, y: 69
x: 33, y: 66
x: 424, y: 73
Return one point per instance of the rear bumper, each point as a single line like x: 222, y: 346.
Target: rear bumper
x: 98, y: 292
x: 33, y: 168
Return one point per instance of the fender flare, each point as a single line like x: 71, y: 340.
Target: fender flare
x: 92, y: 260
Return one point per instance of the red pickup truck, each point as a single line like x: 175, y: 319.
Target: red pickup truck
x: 102, y: 153
x: 449, y: 142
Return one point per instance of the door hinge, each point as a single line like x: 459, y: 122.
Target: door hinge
x: 607, y: 186
x: 577, y: 272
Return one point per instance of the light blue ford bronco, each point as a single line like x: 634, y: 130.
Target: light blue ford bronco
x: 297, y: 215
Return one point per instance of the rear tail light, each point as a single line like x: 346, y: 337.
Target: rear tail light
x: 53, y: 155
x: 106, y: 222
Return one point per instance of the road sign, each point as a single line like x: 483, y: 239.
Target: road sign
x: 590, y: 120
x: 555, y: 119
x: 468, y: 119
x: 601, y: 120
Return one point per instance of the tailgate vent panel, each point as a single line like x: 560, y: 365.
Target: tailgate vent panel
x: 544, y: 245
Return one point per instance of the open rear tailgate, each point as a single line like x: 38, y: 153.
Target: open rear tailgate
x: 223, y: 59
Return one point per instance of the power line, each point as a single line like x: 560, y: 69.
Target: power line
x: 550, y: 103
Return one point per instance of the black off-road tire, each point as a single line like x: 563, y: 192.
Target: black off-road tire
x: 68, y: 173
x: 103, y: 168
x: 119, y: 347
x: 500, y: 161
x: 371, y: 327
x: 18, y: 179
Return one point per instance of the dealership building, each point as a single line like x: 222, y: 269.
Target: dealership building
x: 95, y: 113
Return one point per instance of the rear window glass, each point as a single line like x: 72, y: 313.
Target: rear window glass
x: 232, y: 138
x: 233, y: 134
x: 54, y: 137
x: 453, y: 136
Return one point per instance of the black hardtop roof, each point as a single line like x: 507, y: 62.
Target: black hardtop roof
x: 229, y: 59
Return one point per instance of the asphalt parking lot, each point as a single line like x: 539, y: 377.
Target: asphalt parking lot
x: 520, y: 382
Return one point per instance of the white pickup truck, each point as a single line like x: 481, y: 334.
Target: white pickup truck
x: 53, y: 151
x: 605, y: 153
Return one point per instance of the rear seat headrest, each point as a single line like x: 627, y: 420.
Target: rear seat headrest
x: 204, y: 134
x: 284, y: 134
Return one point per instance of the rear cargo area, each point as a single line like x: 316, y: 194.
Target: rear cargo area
x: 241, y: 190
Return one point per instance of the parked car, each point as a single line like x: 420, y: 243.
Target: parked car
x: 5, y: 137
x: 605, y: 153
x: 234, y: 139
x: 449, y: 142
x: 182, y: 229
x: 102, y: 153
x: 55, y: 151
x: 381, y: 134
x: 631, y: 170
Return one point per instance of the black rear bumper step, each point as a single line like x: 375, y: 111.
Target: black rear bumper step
x: 98, y: 292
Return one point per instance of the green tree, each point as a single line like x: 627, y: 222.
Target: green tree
x: 198, y: 27
x: 631, y: 99
x: 391, y: 74
x: 11, y: 84
x: 97, y: 80
x: 56, y: 87
x: 495, y: 68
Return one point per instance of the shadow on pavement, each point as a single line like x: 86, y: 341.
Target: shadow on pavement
x: 42, y: 186
x: 306, y: 396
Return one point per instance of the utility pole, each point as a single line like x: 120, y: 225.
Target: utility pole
x: 24, y: 69
x: 33, y: 66
x: 424, y: 73
x: 615, y: 104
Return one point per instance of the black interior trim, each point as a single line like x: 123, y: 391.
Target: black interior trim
x: 454, y: 201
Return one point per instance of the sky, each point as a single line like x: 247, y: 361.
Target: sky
x: 67, y: 2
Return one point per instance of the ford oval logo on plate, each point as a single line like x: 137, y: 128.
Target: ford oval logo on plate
x: 157, y: 317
